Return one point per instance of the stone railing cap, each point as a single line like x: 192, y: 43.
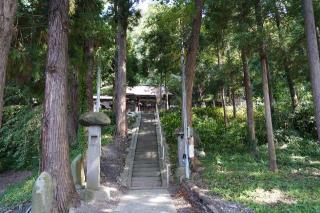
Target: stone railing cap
x: 94, y: 119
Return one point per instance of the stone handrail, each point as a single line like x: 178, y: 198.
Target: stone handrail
x: 126, y: 175
x: 163, y: 151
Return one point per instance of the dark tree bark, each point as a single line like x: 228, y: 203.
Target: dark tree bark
x: 234, y: 104
x: 55, y: 146
x: 192, y: 55
x: 313, y: 57
x: 8, y: 10
x: 249, y: 103
x: 292, y: 88
x: 264, y: 65
x: 89, y: 53
x: 121, y: 78
x: 73, y: 108
x: 318, y: 38
x: 285, y: 63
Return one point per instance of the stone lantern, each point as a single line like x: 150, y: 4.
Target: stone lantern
x: 94, y: 121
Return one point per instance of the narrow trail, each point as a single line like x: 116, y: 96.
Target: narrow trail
x: 146, y: 193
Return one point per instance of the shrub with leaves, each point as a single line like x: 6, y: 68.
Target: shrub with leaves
x: 19, y: 137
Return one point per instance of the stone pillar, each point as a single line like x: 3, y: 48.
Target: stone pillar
x: 93, y: 157
x: 180, y: 172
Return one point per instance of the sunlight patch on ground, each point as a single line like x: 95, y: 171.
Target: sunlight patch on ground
x: 297, y: 157
x: 224, y: 172
x: 274, y: 196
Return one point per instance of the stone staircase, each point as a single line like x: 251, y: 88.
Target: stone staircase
x: 146, y: 168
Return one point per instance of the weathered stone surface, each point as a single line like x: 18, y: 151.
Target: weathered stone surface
x: 93, y: 157
x: 102, y: 193
x: 94, y: 119
x: 42, y: 194
x: 77, y: 170
x: 146, y: 201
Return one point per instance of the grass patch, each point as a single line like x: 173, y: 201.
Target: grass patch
x: 238, y: 177
x: 18, y: 193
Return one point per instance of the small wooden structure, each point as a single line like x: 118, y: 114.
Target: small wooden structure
x: 140, y: 98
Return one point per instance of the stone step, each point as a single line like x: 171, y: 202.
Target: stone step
x: 146, y: 158
x: 146, y: 152
x: 146, y: 169
x: 147, y: 149
x: 145, y: 165
x: 146, y: 182
x: 149, y: 184
x: 139, y: 162
x: 146, y: 178
x: 141, y: 173
x: 143, y: 146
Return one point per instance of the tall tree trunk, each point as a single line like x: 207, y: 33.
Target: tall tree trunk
x: 89, y: 53
x: 225, y: 117
x: 318, y: 38
x: 264, y: 65
x: 271, y: 97
x: 7, y: 14
x: 192, y: 56
x: 249, y: 103
x: 292, y: 89
x: 121, y: 78
x: 223, y: 100
x: 234, y: 104
x: 313, y: 57
x: 55, y: 146
x: 73, y: 106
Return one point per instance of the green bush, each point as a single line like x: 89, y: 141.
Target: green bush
x: 19, y: 137
x: 303, y: 119
x: 209, y: 124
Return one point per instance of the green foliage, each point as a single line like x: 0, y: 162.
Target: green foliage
x: 233, y: 173
x: 304, y: 120
x: 209, y: 124
x: 19, y: 137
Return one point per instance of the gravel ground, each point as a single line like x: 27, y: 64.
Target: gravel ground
x: 112, y: 163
